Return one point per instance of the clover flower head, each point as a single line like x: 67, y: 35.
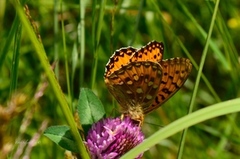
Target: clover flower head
x: 111, y: 138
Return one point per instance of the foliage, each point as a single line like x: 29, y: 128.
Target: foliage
x: 75, y: 40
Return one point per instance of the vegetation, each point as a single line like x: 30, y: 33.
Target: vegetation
x: 51, y: 49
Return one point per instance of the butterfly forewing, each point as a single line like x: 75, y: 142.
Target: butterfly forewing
x: 136, y: 83
x: 118, y: 59
x: 153, y: 51
x: 175, y: 72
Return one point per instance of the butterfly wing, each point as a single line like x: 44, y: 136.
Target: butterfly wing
x: 153, y: 51
x: 118, y: 59
x: 174, y: 74
x: 136, y: 83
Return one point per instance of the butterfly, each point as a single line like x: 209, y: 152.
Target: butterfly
x: 141, y: 81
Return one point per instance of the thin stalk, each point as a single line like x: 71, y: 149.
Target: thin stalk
x: 66, y: 59
x: 96, y: 41
x: 52, y: 80
x: 81, y: 38
x: 15, y: 60
x: 56, y: 37
x: 196, y: 86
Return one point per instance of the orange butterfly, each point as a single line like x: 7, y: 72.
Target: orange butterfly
x: 141, y: 81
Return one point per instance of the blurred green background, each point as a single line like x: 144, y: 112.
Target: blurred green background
x: 79, y: 38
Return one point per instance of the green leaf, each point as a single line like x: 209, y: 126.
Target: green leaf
x: 90, y: 108
x: 62, y: 136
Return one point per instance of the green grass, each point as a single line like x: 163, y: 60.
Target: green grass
x: 77, y: 39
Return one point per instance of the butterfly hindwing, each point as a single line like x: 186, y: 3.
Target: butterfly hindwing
x: 174, y: 74
x: 135, y: 83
